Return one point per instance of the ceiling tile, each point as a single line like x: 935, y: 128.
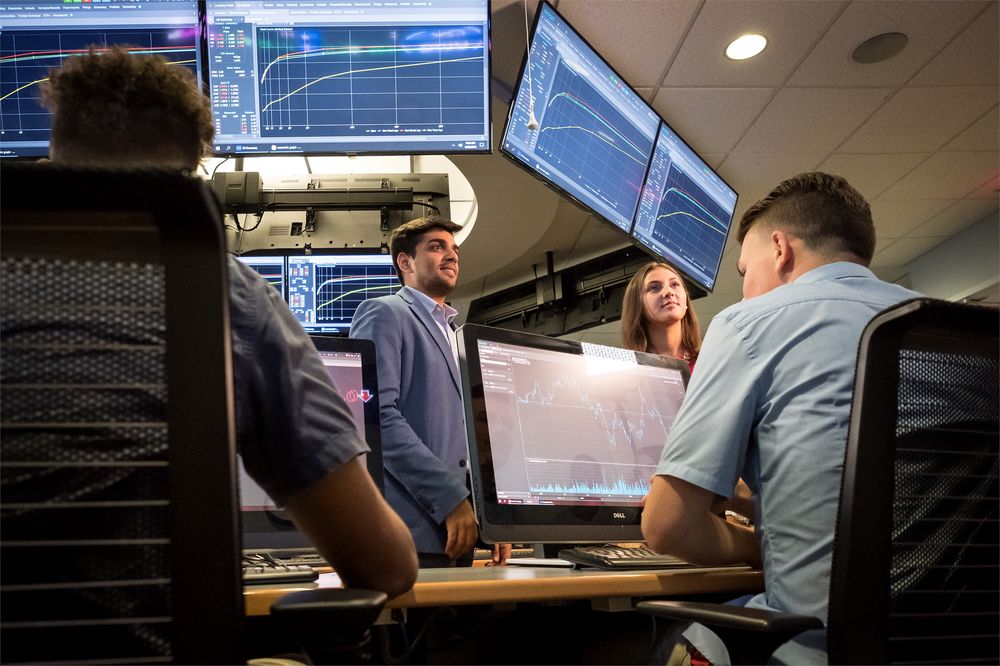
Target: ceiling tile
x: 972, y: 59
x: 509, y: 42
x: 989, y: 190
x: 905, y: 250
x: 800, y: 119
x: 945, y: 176
x: 984, y: 134
x: 962, y: 214
x: 790, y: 27
x: 646, y: 93
x: 872, y: 174
x: 624, y: 37
x: 921, y: 119
x: 896, y: 219
x: 713, y: 159
x: 711, y: 119
x: 928, y: 25
x: 753, y: 175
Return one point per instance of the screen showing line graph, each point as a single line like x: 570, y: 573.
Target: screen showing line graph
x: 36, y: 37
x: 575, y: 429
x: 595, y: 135
x: 685, y: 211
x: 350, y: 77
x: 271, y: 268
x: 325, y: 290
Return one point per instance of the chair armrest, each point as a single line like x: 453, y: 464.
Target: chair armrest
x: 731, y: 617
x: 331, y: 625
x: 751, y: 635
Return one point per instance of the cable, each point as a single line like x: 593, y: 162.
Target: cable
x: 532, y: 121
x: 427, y: 205
x: 217, y: 167
x: 308, y: 166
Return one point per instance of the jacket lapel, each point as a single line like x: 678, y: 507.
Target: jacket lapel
x: 434, y: 331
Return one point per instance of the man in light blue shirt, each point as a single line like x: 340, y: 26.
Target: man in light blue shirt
x: 771, y: 402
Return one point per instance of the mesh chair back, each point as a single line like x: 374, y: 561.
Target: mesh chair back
x: 917, y: 553
x: 119, y: 525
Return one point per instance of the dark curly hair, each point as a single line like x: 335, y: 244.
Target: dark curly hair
x: 831, y: 217
x: 110, y: 106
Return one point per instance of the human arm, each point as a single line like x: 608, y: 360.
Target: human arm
x: 740, y: 502
x: 462, y: 530
x: 679, y: 519
x: 345, y: 517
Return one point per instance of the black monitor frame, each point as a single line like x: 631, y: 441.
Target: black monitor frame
x: 261, y: 146
x: 272, y: 529
x: 535, y: 170
x: 560, y: 522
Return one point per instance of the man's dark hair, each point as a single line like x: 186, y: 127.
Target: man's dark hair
x: 824, y: 211
x: 111, y: 105
x: 406, y: 236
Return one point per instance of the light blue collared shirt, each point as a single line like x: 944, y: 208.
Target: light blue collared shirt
x: 771, y: 403
x: 443, y: 315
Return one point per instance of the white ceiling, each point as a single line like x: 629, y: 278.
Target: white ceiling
x: 917, y: 134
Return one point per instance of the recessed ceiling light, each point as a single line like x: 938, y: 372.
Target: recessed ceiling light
x: 745, y: 47
x: 879, y: 48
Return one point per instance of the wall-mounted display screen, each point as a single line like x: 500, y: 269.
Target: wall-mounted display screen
x: 595, y: 134
x: 38, y: 35
x: 325, y: 290
x: 353, y: 76
x: 685, y: 211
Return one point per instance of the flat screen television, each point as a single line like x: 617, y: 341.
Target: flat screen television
x: 563, y: 436
x: 38, y: 35
x: 324, y: 290
x: 351, y: 366
x: 349, y: 77
x: 686, y: 210
x: 595, y: 134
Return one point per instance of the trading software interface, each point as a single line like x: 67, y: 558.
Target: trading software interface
x: 349, y: 76
x: 572, y: 429
x: 344, y: 369
x: 595, y: 134
x: 37, y: 35
x: 685, y: 210
x: 325, y: 290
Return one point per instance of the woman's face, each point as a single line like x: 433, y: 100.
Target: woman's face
x: 663, y: 297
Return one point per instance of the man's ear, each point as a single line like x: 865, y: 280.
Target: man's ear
x: 783, y: 253
x: 405, y: 262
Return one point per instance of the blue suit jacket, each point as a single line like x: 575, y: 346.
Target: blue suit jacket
x: 423, y: 425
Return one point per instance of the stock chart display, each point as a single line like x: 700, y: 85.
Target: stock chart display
x: 595, y: 134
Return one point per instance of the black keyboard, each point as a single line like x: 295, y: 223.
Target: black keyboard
x: 620, y: 557
x: 262, y: 568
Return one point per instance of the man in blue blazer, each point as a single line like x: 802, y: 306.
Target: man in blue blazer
x: 424, y: 442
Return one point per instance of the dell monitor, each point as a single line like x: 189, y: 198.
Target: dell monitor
x: 351, y: 366
x: 39, y: 35
x: 685, y: 211
x: 577, y: 125
x: 349, y: 77
x: 563, y: 436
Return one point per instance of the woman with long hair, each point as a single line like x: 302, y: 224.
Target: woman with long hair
x: 657, y: 316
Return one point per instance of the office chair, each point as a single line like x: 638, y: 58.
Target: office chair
x: 917, y: 548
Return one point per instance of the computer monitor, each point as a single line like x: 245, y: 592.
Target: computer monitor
x: 349, y: 77
x: 272, y: 268
x: 564, y: 436
x: 351, y: 365
x: 685, y: 211
x: 595, y: 134
x: 38, y: 35
x: 324, y: 290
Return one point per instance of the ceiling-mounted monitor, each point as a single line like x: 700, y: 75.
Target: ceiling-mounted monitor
x: 39, y: 35
x: 349, y: 77
x: 685, y: 211
x: 577, y: 125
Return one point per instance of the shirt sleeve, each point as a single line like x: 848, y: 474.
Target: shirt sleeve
x: 708, y: 443
x: 293, y: 427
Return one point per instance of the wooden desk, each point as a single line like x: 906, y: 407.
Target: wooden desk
x: 510, y: 584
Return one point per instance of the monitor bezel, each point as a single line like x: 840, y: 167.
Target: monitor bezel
x: 521, y: 82
x: 511, y: 523
x: 282, y: 532
x: 488, y: 150
x: 655, y: 253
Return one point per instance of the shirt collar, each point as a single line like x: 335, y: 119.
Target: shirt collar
x: 431, y: 305
x: 834, y: 271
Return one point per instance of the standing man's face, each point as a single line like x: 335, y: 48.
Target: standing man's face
x: 433, y: 269
x: 758, y: 263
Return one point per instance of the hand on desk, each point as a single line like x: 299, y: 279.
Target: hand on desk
x: 501, y: 553
x: 462, y: 530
